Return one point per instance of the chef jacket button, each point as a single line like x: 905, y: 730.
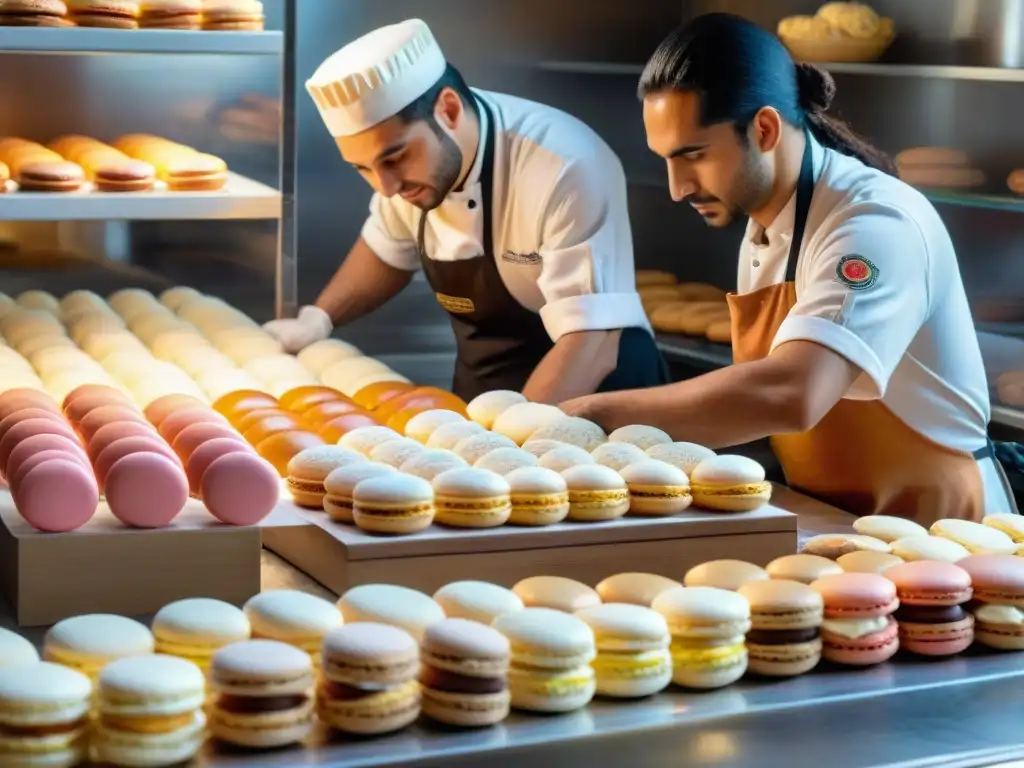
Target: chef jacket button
x: 757, y: 263
x: 472, y: 204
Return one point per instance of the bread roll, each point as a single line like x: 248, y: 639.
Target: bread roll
x: 699, y: 292
x: 720, y: 332
x: 649, y: 277
x: 1015, y: 181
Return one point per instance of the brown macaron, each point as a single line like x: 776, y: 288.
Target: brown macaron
x: 125, y: 176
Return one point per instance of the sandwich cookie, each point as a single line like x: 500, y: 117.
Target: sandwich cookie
x: 365, y: 439
x: 632, y: 642
x: 90, y: 642
x: 485, y: 408
x: 195, y: 628
x: 729, y: 484
x: 395, y: 453
x: 867, y: 562
x: 556, y: 592
x: 421, y: 426
x: 521, y: 420
x: 634, y: 588
x: 596, y: 493
x: 686, y: 456
x: 998, y: 607
x: 617, y: 456
x: 505, y: 460
x: 308, y: 469
x: 641, y: 436
x: 368, y: 679
x: 340, y: 483
x: 551, y: 653
x: 564, y: 457
x: 293, y: 617
x: 475, y: 447
x: 932, y: 620
x: 463, y: 673
x: 44, y: 715
x: 16, y: 651
x: 835, y: 545
x: 472, y: 498
x: 858, y: 629
x: 914, y: 548
x: 447, y: 436
x: 1010, y: 524
x: 431, y: 463
x: 477, y: 601
x: 724, y: 574
x: 888, y: 528
x: 785, y: 638
x: 538, y: 496
x: 803, y: 568
x: 707, y: 627
x: 656, y: 488
x: 150, y: 712
x: 572, y: 430
x: 400, y: 607
x: 539, y: 447
x: 976, y: 538
x: 263, y: 694
x: 393, y: 503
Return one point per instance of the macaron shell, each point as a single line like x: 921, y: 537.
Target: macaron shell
x: 20, y: 398
x: 98, y: 418
x: 937, y: 639
x: 111, y: 433
x: 39, y: 457
x: 30, y: 446
x: 77, y: 409
x: 57, y: 496
x: 24, y: 414
x: 803, y: 568
x: 194, y: 435
x: 634, y: 588
x: 164, y: 406
x: 240, y: 488
x: 146, y: 490
x: 996, y: 578
x: 856, y: 595
x: 207, y: 453
x: 862, y: 651
x: 724, y: 574
x: 867, y: 562
x: 26, y: 429
x: 127, y: 446
x: 177, y: 421
x: 928, y: 582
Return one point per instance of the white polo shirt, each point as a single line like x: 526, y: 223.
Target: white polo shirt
x: 908, y: 327
x: 562, y: 239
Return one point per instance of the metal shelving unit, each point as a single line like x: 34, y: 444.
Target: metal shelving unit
x: 81, y: 40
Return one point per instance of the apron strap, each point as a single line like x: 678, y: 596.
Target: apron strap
x: 804, y: 194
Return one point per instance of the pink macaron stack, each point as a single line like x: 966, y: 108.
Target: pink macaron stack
x: 44, y: 464
x: 931, y: 615
x: 235, y: 484
x: 858, y: 629
x: 141, y: 477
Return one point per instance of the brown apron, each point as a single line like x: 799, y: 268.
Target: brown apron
x: 860, y: 457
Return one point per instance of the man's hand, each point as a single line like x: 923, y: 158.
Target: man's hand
x: 311, y: 325
x: 582, y: 407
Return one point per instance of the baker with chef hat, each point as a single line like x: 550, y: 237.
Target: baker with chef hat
x: 516, y: 213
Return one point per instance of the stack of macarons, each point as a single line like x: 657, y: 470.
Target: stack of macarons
x: 195, y: 628
x: 997, y: 582
x: 785, y: 635
x: 293, y: 617
x: 858, y: 628
x: 932, y: 615
x: 89, y: 642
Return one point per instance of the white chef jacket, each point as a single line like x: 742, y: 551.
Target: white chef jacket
x: 562, y: 239
x: 911, y: 332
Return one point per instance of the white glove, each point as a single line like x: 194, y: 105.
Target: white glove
x: 311, y: 325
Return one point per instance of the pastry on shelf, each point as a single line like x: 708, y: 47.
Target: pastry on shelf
x: 654, y: 277
x: 1015, y: 181
x: 171, y: 14
x: 108, y: 14
x: 50, y: 176
x: 232, y: 15
x: 109, y: 169
x: 689, y: 318
x: 838, y: 32
x: 34, y: 13
x: 720, y: 331
x: 938, y: 168
x: 16, y: 152
x: 181, y: 167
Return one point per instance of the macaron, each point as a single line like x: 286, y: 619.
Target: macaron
x: 400, y: 607
x: 632, y: 642
x: 421, y: 426
x: 976, y: 538
x: 126, y: 446
x: 365, y: 439
x: 111, y: 433
x: 150, y: 712
x: 393, y: 503
x: 463, y: 672
x: 477, y: 601
x: 89, y: 642
x: 475, y: 447
x: 368, y: 679
x: 656, y: 488
x: 634, y: 588
x: 931, y: 617
x: 308, y: 469
x: 641, y: 436
x: 617, y: 456
x: 834, y: 545
x: 239, y: 488
x: 293, y: 617
x: 471, y: 498
x: 724, y: 574
x: 16, y: 651
x: 539, y: 447
x: 564, y: 457
x: 550, y: 666
x: 395, y: 453
x: 202, y: 457
x: 914, y: 548
x: 177, y: 421
x: 195, y: 628
x: 858, y: 628
x: 729, y: 484
x: 31, y: 447
x: 146, y: 490
x: 521, y: 420
x: 685, y: 456
x: 785, y: 638
x: 44, y: 715
x: 448, y: 435
x: 29, y: 428
x: 340, y: 483
x: 596, y: 493
x: 88, y: 397
x: 867, y: 562
x: 1010, y: 524
x: 262, y: 689
x: 506, y: 460
x: 707, y: 625
x: 485, y: 408
x: 556, y: 592
x: 162, y: 407
x: 803, y: 568
x: 572, y: 430
x: 431, y: 463
x: 56, y: 496
x: 538, y: 496
x: 998, y: 607
x: 888, y: 528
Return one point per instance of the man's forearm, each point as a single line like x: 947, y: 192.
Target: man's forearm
x: 575, y: 366
x: 362, y: 284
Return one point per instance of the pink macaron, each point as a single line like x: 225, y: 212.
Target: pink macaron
x: 111, y: 433
x: 99, y: 417
x: 177, y: 421
x: 20, y: 398
x: 858, y: 629
x: 146, y: 490
x: 89, y: 397
x: 207, y: 453
x: 126, y: 446
x: 194, y: 435
x: 26, y: 429
x: 30, y: 446
x: 164, y: 406
x: 240, y: 488
x: 39, y: 457
x: 32, y: 412
x: 57, y: 496
x: 931, y: 615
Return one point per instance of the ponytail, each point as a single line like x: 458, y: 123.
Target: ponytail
x: 737, y: 68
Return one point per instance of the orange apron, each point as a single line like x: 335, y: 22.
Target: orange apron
x: 860, y: 457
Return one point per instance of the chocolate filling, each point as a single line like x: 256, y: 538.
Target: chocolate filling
x: 782, y: 636
x: 32, y: 731
x: 929, y: 614
x: 342, y: 692
x: 450, y: 682
x: 254, y: 705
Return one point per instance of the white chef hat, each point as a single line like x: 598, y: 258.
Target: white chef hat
x: 376, y: 77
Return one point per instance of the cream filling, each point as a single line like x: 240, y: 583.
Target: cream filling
x: 853, y: 629
x: 999, y: 614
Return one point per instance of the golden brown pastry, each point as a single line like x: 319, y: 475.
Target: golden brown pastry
x: 1015, y: 181
x: 699, y: 292
x: 649, y: 277
x: 938, y: 167
x: 655, y: 292
x: 720, y: 332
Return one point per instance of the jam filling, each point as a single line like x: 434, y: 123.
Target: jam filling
x: 254, y: 705
x: 930, y: 614
x: 33, y: 731
x: 782, y: 636
x: 450, y: 682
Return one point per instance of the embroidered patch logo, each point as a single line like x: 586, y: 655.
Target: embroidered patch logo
x: 856, y: 272
x: 520, y: 258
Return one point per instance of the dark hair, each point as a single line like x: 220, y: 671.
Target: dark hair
x: 423, y: 107
x: 737, y: 68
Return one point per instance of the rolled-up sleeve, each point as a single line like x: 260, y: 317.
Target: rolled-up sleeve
x: 865, y: 292
x: 389, y: 236
x: 587, y: 276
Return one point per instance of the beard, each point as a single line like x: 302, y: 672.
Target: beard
x: 444, y: 176
x: 750, y: 190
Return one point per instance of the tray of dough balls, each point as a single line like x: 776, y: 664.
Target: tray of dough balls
x: 288, y: 664
x: 687, y: 313
x: 838, y: 32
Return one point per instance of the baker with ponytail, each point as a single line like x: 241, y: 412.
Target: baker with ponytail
x: 853, y: 342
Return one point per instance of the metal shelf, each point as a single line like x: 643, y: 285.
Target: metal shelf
x: 1007, y: 416
x: 693, y: 348
x: 166, y: 41
x: 241, y: 198
x: 975, y: 200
